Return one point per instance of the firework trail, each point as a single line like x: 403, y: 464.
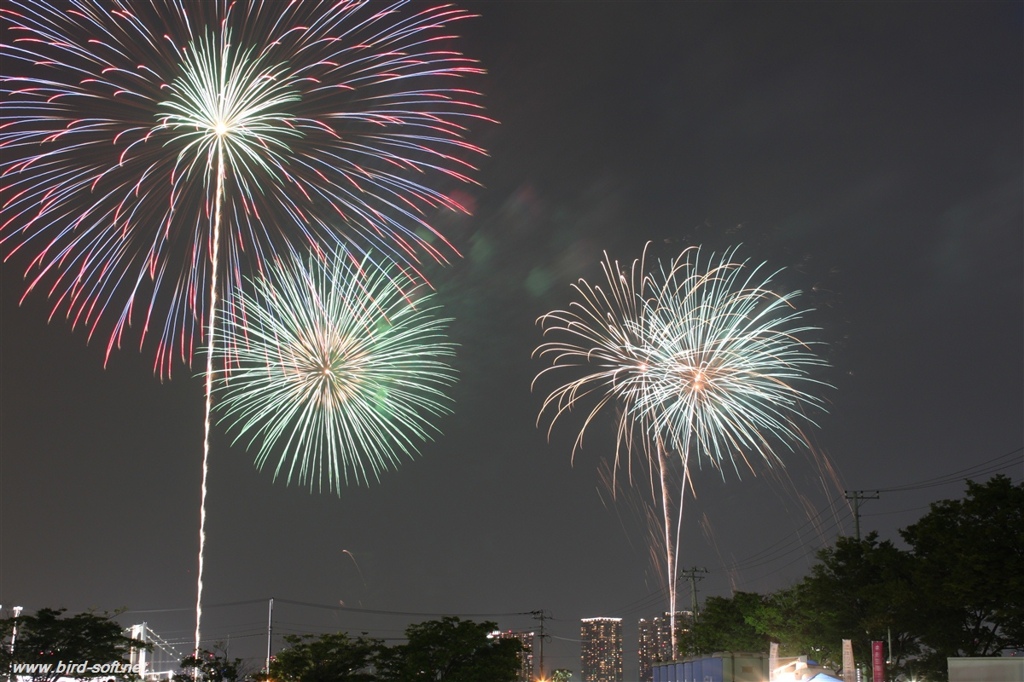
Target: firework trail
x: 358, y: 570
x: 604, y: 340
x: 701, y: 360
x: 152, y: 153
x: 332, y: 370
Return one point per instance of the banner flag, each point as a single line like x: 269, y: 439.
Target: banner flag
x: 849, y: 670
x: 878, y: 661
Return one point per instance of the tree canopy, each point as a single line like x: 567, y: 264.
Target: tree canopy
x: 451, y: 650
x: 446, y: 650
x: 326, y: 658
x: 859, y: 590
x: 968, y: 560
x: 725, y: 625
x: 211, y: 666
x: 957, y: 590
x: 47, y: 642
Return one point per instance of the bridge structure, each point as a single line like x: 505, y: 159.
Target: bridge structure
x: 162, y: 661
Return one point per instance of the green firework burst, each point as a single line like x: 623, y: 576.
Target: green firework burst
x: 332, y: 370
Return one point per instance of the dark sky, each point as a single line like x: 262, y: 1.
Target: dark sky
x: 872, y: 149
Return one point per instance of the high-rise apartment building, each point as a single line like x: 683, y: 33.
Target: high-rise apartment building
x: 601, y: 650
x: 656, y: 641
x: 525, y: 656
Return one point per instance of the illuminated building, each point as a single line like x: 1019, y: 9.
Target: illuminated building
x: 656, y: 642
x: 601, y: 650
x: 525, y: 656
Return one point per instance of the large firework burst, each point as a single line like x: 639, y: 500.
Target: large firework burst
x: 698, y: 359
x: 138, y: 139
x: 335, y: 372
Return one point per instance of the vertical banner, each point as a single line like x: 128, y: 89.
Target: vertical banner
x: 878, y: 661
x: 849, y: 671
x: 773, y: 660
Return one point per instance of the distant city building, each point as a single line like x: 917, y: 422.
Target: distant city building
x: 656, y: 642
x: 601, y: 650
x: 525, y: 656
x: 561, y: 675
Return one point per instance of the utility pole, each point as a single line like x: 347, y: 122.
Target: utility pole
x: 693, y: 577
x: 270, y: 630
x: 14, y: 636
x: 857, y: 496
x: 541, y: 616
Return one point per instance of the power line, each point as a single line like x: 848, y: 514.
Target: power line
x: 338, y: 607
x: 205, y: 606
x: 645, y: 603
x: 987, y: 467
x: 776, y: 551
x: 780, y: 549
x: 382, y: 612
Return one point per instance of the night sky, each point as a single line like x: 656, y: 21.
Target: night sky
x: 874, y: 150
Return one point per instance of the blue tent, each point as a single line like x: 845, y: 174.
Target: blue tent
x: 824, y: 677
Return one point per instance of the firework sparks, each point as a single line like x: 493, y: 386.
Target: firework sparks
x: 604, y: 332
x: 726, y: 364
x: 311, y: 123
x: 700, y: 360
x: 333, y: 371
x: 148, y: 147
